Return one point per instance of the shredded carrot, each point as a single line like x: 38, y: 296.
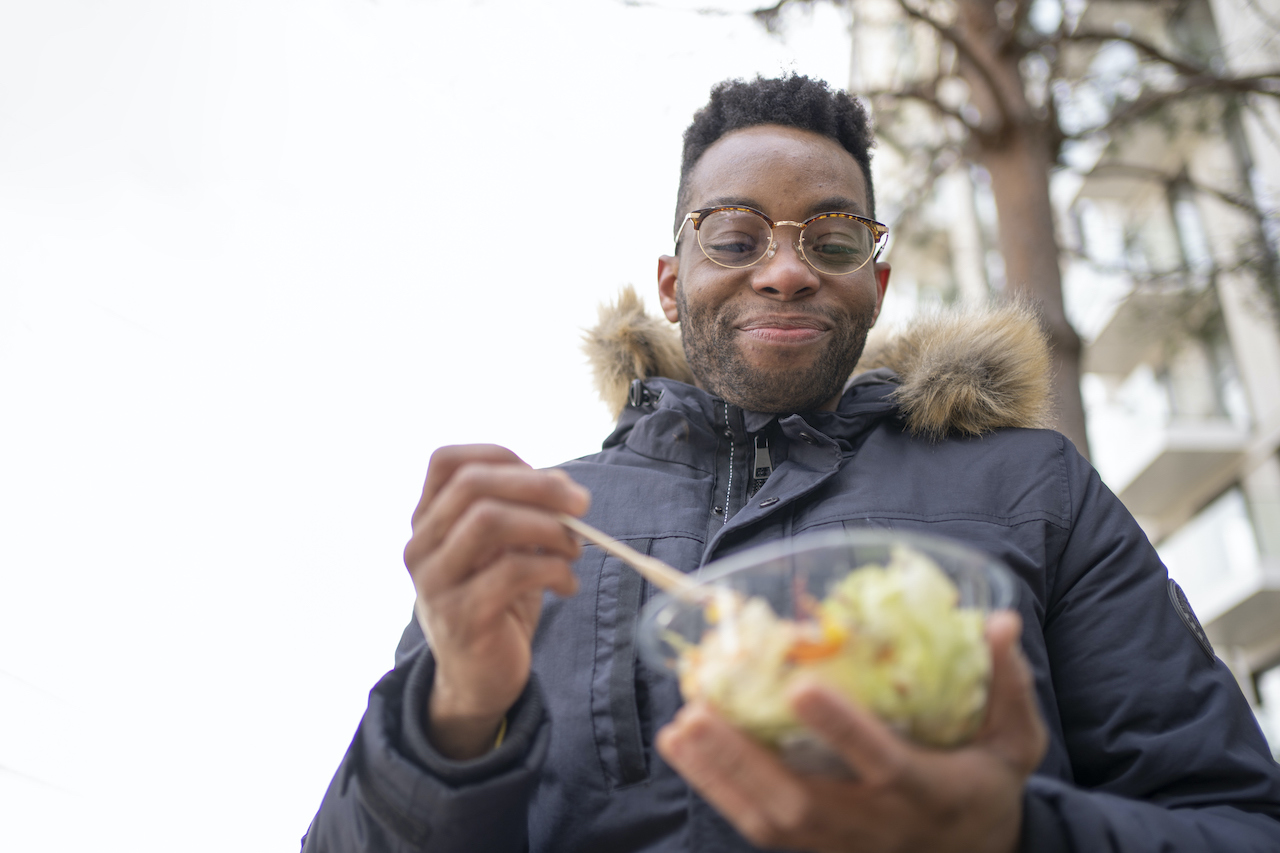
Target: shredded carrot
x: 804, y: 651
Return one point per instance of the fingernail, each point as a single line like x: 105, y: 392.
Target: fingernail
x: 808, y: 699
x: 815, y: 708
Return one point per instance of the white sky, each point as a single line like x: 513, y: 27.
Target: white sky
x: 243, y: 295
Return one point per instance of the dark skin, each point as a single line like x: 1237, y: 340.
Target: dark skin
x: 486, y: 545
x: 777, y: 336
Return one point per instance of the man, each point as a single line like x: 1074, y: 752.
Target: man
x: 528, y: 723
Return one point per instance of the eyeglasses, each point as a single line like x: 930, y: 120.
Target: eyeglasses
x: 831, y: 243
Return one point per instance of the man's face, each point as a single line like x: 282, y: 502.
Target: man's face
x: 777, y: 336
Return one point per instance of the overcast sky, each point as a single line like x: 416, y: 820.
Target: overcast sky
x: 250, y: 278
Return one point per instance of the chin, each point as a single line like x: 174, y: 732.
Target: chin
x: 772, y: 381
x: 782, y: 394
x: 779, y: 406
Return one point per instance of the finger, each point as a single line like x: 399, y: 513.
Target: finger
x: 745, y: 782
x: 1014, y: 726
x: 875, y: 753
x: 446, y: 460
x: 485, y: 530
x: 468, y: 616
x: 550, y: 490
x: 513, y: 576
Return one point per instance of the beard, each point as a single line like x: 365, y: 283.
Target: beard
x: 721, y: 367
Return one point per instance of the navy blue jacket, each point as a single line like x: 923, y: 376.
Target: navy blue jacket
x: 1152, y: 746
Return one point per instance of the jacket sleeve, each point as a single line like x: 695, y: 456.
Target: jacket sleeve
x: 1165, y: 752
x: 393, y: 793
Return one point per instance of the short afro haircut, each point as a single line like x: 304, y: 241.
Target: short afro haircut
x: 791, y: 101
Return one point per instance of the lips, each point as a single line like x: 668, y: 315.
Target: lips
x: 785, y: 329
x: 776, y: 321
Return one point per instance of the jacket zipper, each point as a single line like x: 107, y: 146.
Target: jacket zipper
x: 757, y: 470
x: 763, y: 467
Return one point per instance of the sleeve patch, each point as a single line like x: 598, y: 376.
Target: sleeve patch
x: 1188, y: 616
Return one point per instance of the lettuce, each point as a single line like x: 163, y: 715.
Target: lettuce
x: 890, y: 637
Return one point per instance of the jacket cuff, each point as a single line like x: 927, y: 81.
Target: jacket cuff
x: 524, y: 721
x: 408, y: 794
x: 1042, y: 829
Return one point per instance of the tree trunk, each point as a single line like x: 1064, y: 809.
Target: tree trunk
x: 1013, y: 145
x: 1020, y: 183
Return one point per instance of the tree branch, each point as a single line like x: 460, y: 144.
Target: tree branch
x: 1150, y: 172
x: 1242, y: 261
x: 1055, y: 134
x: 941, y: 159
x: 970, y: 52
x: 1265, y: 121
x: 1190, y: 86
x: 768, y: 15
x: 925, y: 96
x: 1184, y: 67
x: 1142, y: 45
x: 1273, y: 23
x: 1016, y: 22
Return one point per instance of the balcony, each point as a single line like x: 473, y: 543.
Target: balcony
x: 1127, y: 340
x: 1183, y: 466
x: 1248, y: 620
x: 1234, y: 589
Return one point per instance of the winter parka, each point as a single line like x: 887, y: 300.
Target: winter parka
x: 1152, y: 746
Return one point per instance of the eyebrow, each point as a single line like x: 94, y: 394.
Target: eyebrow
x: 839, y: 203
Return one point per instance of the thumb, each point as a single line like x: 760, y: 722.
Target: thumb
x: 1014, y: 727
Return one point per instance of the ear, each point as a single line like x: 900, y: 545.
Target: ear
x: 668, y: 268
x: 882, y: 284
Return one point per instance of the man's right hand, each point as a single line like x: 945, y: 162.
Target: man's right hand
x: 485, y: 545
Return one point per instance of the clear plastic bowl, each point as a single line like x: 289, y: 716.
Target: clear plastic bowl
x: 791, y: 576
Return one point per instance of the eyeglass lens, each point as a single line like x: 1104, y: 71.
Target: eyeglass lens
x: 832, y: 244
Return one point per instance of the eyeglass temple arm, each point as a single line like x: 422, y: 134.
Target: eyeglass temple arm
x: 692, y: 216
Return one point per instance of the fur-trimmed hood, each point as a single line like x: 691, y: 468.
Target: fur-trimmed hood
x: 963, y: 371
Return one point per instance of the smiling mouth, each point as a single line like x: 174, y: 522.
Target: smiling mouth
x: 785, y: 329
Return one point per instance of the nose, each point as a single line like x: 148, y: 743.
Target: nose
x: 783, y: 274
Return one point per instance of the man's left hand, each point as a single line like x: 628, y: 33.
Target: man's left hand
x: 905, y: 797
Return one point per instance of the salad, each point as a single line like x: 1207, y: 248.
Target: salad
x: 889, y: 636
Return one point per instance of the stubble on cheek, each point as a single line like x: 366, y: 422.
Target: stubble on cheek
x: 720, y: 362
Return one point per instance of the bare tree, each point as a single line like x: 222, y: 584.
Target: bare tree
x: 1009, y: 88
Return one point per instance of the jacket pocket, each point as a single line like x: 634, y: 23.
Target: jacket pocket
x: 615, y: 700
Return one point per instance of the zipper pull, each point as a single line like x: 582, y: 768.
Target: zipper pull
x: 763, y: 467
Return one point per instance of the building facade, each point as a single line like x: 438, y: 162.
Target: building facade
x: 1169, y: 230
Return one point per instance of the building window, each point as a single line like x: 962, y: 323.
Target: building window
x: 1214, y: 556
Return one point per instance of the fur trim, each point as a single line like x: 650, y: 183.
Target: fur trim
x: 627, y: 344
x: 965, y: 371
x: 969, y: 371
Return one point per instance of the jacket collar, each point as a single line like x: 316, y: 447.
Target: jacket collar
x: 966, y: 371
x: 678, y: 422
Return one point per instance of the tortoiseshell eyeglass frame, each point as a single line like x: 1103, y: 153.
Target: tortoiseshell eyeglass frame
x: 878, y: 232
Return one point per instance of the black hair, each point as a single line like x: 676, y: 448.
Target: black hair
x: 791, y: 101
